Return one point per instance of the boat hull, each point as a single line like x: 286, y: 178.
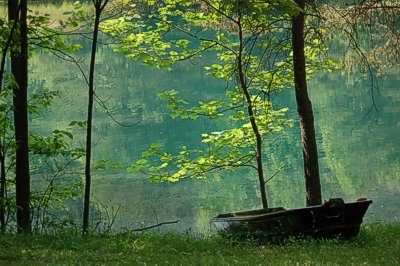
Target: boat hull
x: 333, y: 218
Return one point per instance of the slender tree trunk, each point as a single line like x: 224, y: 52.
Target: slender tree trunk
x: 99, y: 6
x: 19, y: 68
x: 251, y: 114
x: 3, y: 180
x: 2, y: 193
x: 304, y: 108
x: 6, y: 47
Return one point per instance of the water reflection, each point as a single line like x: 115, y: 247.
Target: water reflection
x: 359, y: 156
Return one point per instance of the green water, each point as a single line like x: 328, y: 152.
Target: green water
x: 359, y: 153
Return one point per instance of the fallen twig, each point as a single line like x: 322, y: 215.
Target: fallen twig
x: 153, y: 226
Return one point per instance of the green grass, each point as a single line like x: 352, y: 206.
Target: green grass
x: 377, y: 245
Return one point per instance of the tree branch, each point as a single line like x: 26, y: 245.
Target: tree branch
x: 153, y: 226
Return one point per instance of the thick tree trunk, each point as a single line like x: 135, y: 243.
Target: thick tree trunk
x: 304, y: 108
x: 19, y: 68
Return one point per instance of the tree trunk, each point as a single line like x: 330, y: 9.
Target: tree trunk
x: 250, y: 111
x: 99, y: 6
x: 19, y: 69
x: 3, y: 180
x: 304, y: 108
x: 2, y: 144
x: 2, y: 193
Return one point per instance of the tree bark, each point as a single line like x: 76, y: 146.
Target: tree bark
x: 250, y: 111
x: 99, y: 6
x: 2, y: 144
x: 19, y: 69
x: 305, y: 111
x: 2, y: 193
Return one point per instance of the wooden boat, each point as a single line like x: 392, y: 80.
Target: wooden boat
x: 333, y: 218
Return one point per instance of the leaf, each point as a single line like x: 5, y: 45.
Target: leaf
x: 201, y: 160
x: 155, y: 146
x: 68, y: 134
x: 141, y: 162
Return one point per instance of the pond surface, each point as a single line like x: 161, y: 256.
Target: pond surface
x: 359, y: 149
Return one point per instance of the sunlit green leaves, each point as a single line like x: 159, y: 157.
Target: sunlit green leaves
x: 223, y: 150
x: 253, y: 57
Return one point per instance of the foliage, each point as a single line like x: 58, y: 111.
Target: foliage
x: 43, y: 35
x: 368, y: 33
x: 54, y: 162
x: 47, y: 153
x: 252, y: 51
x: 377, y: 245
x: 51, y: 155
x: 223, y: 150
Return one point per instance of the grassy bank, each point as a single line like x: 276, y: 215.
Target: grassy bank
x: 376, y: 245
